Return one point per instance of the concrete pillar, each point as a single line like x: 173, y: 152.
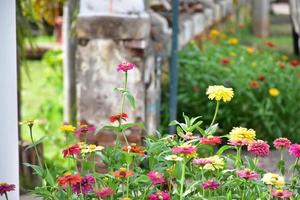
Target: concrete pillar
x: 9, y: 153
x: 260, y: 17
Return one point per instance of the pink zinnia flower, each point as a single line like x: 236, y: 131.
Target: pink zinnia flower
x: 295, y: 150
x: 105, y: 192
x: 238, y: 142
x: 259, y: 148
x: 85, y: 186
x: 156, y: 177
x: 184, y: 150
x: 85, y: 128
x: 72, y: 150
x: 5, y: 187
x: 201, y: 161
x: 125, y: 66
x: 210, y: 185
x: 282, y: 194
x: 159, y: 196
x: 247, y: 174
x: 281, y: 143
x: 211, y: 140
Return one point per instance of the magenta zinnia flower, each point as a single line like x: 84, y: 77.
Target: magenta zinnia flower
x: 211, y: 140
x: 247, y: 174
x: 156, y: 177
x: 201, y: 161
x: 105, y: 192
x: 184, y: 149
x: 125, y: 66
x: 259, y: 148
x: 5, y: 187
x: 85, y: 186
x: 295, y: 150
x: 281, y: 143
x: 159, y: 196
x: 84, y: 128
x: 210, y: 185
x: 282, y: 194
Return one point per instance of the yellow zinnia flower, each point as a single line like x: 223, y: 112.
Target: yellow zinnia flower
x: 214, y: 33
x: 233, y: 41
x: 67, y: 128
x: 217, y: 162
x: 219, y: 92
x: 91, y: 148
x: 241, y: 134
x: 273, y: 179
x: 274, y: 92
x: 250, y: 50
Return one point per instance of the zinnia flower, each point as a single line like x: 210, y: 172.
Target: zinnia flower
x: 233, y: 41
x: 134, y: 148
x: 91, y: 148
x: 67, y: 128
x: 156, y: 177
x: 281, y: 194
x: 247, y: 174
x: 295, y: 150
x: 68, y: 180
x: 85, y: 186
x: 185, y: 150
x: 250, y: 50
x: 201, y: 161
x: 219, y: 92
x: 281, y: 143
x: 240, y: 136
x: 294, y: 63
x: 270, y: 44
x: 125, y: 66
x: 210, y: 185
x: 32, y: 122
x: 216, y: 162
x: 262, y: 77
x: 274, y: 92
x: 254, y: 84
x: 123, y: 173
x: 159, y: 196
x: 259, y: 148
x: 104, y: 192
x: 273, y: 179
x: 214, y: 33
x: 211, y: 140
x: 281, y: 65
x: 5, y: 187
x: 72, y: 150
x: 119, y: 117
x: 225, y: 61
x: 173, y: 158
x: 85, y: 128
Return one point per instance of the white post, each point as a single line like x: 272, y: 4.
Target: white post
x: 260, y: 17
x: 9, y: 153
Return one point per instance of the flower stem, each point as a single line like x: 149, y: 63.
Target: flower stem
x: 182, y: 180
x: 34, y: 146
x: 122, y: 106
x: 127, y: 183
x: 6, y: 197
x: 238, y: 157
x: 216, y: 112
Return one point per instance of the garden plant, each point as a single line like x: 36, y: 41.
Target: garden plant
x: 192, y: 164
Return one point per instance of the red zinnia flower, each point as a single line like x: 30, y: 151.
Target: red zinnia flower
x: 68, y: 180
x: 254, y: 84
x: 85, y: 186
x: 72, y: 150
x: 294, y: 63
x: 133, y: 148
x: 118, y: 117
x: 270, y: 44
x: 211, y: 140
x: 261, y: 78
x: 225, y: 61
x: 281, y: 65
x: 104, y: 192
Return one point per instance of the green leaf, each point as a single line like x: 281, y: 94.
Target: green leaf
x: 113, y: 128
x: 281, y: 166
x: 120, y: 90
x: 224, y: 148
x: 211, y: 130
x: 130, y: 98
x: 130, y: 125
x: 36, y: 143
x: 141, y: 179
x: 37, y: 169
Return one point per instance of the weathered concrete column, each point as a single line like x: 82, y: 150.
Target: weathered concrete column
x: 260, y: 17
x: 9, y: 153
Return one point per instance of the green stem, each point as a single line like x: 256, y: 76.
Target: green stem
x: 6, y: 197
x: 34, y: 146
x: 294, y: 168
x: 122, y: 106
x: 238, y: 157
x: 67, y: 139
x: 182, y: 180
x: 127, y: 183
x: 244, y: 189
x: 216, y: 112
x: 145, y: 193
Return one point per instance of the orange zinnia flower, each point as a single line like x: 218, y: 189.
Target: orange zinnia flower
x: 123, y: 173
x: 270, y: 44
x: 254, y: 84
x: 133, y: 148
x: 68, y: 180
x: 122, y: 116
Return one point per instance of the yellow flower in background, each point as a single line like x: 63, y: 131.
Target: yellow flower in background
x: 91, y: 148
x: 284, y: 58
x: 274, y: 92
x: 217, y: 162
x: 253, y: 64
x: 273, y: 179
x: 241, y: 134
x: 214, y: 33
x: 67, y: 128
x: 219, y: 92
x: 32, y: 122
x: 250, y: 50
x: 232, y: 54
x: 173, y: 158
x: 233, y: 41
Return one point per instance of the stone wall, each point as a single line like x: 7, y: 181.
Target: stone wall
x: 140, y: 34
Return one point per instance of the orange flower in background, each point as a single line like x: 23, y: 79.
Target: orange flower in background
x: 68, y: 179
x: 134, y: 148
x: 254, y: 84
x: 281, y: 65
x: 225, y: 61
x: 294, y: 63
x: 123, y: 173
x: 122, y: 116
x: 261, y: 78
x: 270, y: 44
